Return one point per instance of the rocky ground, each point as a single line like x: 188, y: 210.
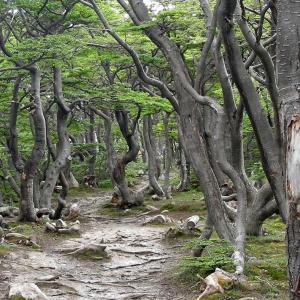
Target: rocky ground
x: 138, y: 266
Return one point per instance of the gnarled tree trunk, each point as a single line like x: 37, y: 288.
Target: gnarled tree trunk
x: 63, y: 147
x: 127, y: 199
x: 27, y: 212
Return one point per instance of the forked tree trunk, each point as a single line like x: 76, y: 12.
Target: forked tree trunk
x: 63, y: 147
x: 119, y: 176
x: 27, y: 212
x: 288, y: 61
x: 152, y: 159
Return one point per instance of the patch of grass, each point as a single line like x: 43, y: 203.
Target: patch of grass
x: 105, y: 184
x: 265, y: 267
x: 217, y: 254
x: 27, y: 228
x: 190, y: 201
x: 84, y: 191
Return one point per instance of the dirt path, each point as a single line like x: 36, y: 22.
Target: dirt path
x: 136, y: 270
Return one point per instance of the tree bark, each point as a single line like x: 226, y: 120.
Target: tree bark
x: 288, y: 61
x: 63, y: 147
x: 168, y: 156
x: 152, y: 157
x: 27, y: 212
x: 119, y: 176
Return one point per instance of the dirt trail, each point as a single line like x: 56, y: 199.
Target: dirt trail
x: 136, y: 269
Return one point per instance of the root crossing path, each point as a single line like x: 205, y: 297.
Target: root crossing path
x: 137, y: 267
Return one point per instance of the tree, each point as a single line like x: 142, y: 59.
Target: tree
x: 289, y: 103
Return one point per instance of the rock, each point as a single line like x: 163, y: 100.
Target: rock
x: 26, y: 291
x: 48, y: 278
x: 90, y: 251
x: 50, y: 227
x: 6, y: 211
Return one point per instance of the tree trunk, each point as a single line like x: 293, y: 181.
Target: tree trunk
x: 266, y: 139
x: 168, y: 157
x: 63, y: 147
x: 109, y: 147
x: 27, y: 212
x: 288, y: 61
x: 127, y: 198
x: 152, y: 159
x: 93, y: 150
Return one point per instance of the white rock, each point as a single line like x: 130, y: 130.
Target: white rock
x: 26, y: 291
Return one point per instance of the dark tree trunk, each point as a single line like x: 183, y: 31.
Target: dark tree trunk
x: 27, y: 212
x: 63, y: 147
x: 267, y: 141
x: 127, y: 199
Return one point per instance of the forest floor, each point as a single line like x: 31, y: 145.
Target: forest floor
x: 142, y: 264
x: 137, y: 267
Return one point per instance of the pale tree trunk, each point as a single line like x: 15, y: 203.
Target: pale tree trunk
x: 288, y: 61
x: 152, y: 156
x: 168, y: 156
x: 27, y: 212
x: 90, y: 178
x: 182, y: 164
x: 109, y: 147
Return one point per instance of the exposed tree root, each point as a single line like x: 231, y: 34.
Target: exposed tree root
x: 216, y: 281
x: 159, y: 219
x: 92, y: 251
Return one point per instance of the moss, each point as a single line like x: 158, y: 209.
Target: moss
x: 4, y: 249
x: 16, y: 298
x: 191, y: 201
x: 105, y: 184
x: 265, y: 267
x: 27, y: 228
x: 217, y: 254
